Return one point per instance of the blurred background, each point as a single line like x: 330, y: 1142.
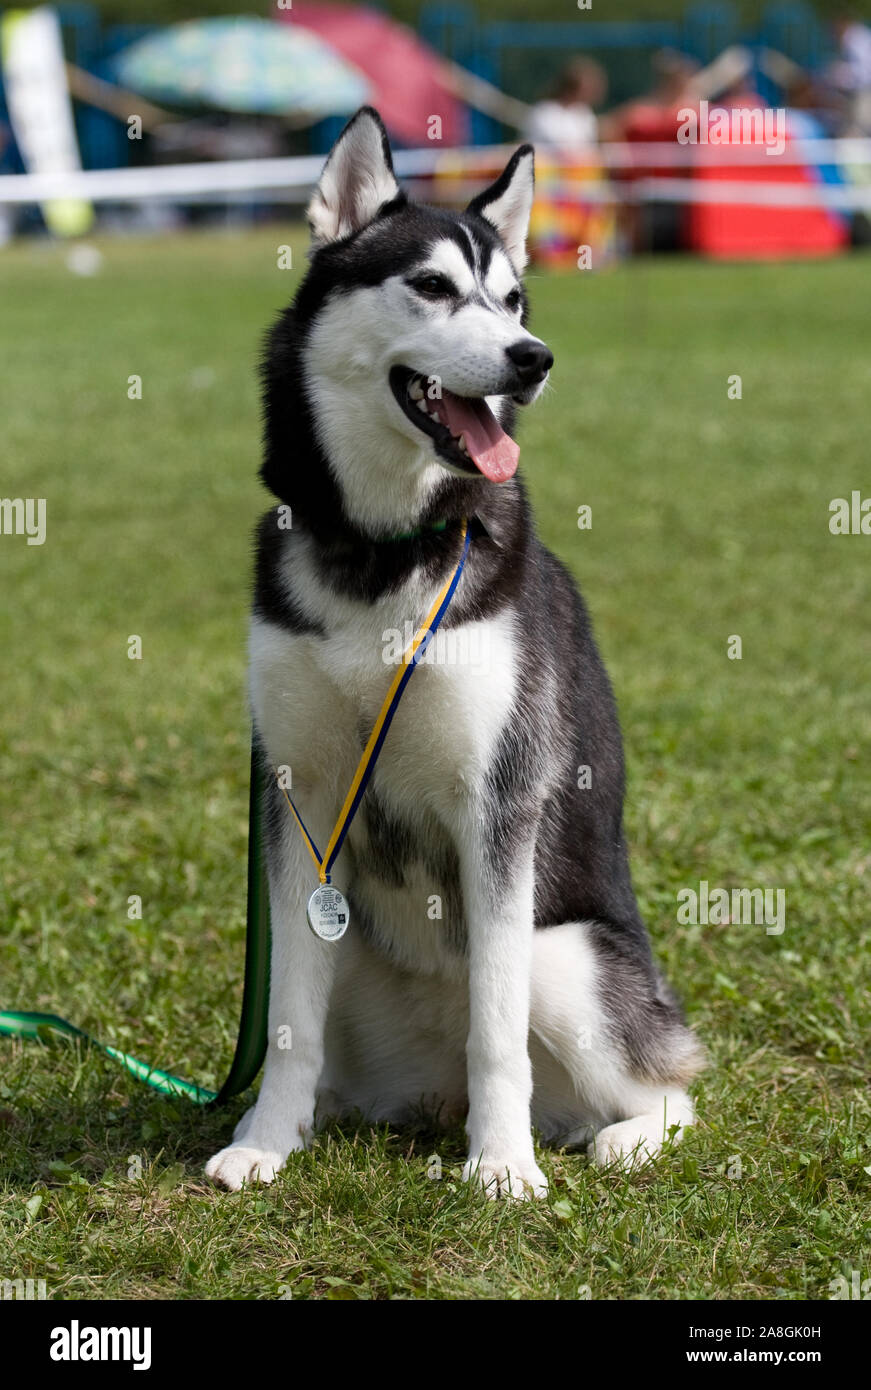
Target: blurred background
x: 150, y: 116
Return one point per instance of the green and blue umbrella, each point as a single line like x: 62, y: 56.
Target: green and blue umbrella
x: 247, y: 65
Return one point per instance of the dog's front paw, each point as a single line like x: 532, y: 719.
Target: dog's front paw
x: 517, y: 1178
x: 239, y: 1164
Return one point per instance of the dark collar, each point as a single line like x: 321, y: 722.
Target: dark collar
x: 432, y: 529
x: 478, y: 525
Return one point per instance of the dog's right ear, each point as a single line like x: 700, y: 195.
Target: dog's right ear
x: 357, y: 180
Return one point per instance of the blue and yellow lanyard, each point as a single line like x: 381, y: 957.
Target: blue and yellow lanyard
x: 413, y: 654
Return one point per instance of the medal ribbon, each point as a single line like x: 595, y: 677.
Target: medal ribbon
x: 412, y: 655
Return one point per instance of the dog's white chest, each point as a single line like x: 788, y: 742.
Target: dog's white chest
x: 315, y: 701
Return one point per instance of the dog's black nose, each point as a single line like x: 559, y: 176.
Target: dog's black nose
x: 531, y: 360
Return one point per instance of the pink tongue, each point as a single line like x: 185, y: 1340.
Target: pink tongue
x: 490, y: 448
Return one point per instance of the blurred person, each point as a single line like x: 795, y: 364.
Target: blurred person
x: 566, y: 118
x: 850, y: 73
x: 647, y: 116
x: 570, y: 212
x: 653, y: 116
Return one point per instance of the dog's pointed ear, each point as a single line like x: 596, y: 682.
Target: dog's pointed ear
x: 357, y: 180
x: 507, y: 203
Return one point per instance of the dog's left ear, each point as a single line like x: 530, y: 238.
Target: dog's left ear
x: 357, y: 180
x: 507, y: 203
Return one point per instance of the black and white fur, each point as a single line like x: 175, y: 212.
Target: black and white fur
x: 534, y: 999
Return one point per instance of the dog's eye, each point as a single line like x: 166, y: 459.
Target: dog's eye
x: 512, y: 300
x: 433, y: 286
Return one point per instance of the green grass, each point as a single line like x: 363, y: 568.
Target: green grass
x: 119, y: 777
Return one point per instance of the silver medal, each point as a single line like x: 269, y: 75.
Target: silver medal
x: 327, y: 913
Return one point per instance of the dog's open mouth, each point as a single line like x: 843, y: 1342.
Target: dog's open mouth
x: 464, y: 429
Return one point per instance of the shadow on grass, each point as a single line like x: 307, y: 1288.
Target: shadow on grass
x: 106, y: 1126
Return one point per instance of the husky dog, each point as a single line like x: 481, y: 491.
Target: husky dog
x: 495, y: 965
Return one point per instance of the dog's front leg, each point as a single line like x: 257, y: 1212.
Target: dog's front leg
x: 499, y: 920
x: 301, y: 978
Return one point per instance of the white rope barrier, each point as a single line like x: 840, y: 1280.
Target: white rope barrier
x: 291, y: 179
x: 644, y: 154
x: 841, y: 197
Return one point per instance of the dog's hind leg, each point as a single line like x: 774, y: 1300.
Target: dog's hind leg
x: 631, y: 1143
x: 621, y: 1094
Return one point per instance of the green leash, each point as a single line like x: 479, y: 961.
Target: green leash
x: 251, y: 1043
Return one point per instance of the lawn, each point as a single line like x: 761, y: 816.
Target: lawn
x: 122, y: 778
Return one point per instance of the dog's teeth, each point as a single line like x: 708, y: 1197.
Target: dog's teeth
x: 421, y: 405
x: 415, y: 390
x: 461, y: 444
